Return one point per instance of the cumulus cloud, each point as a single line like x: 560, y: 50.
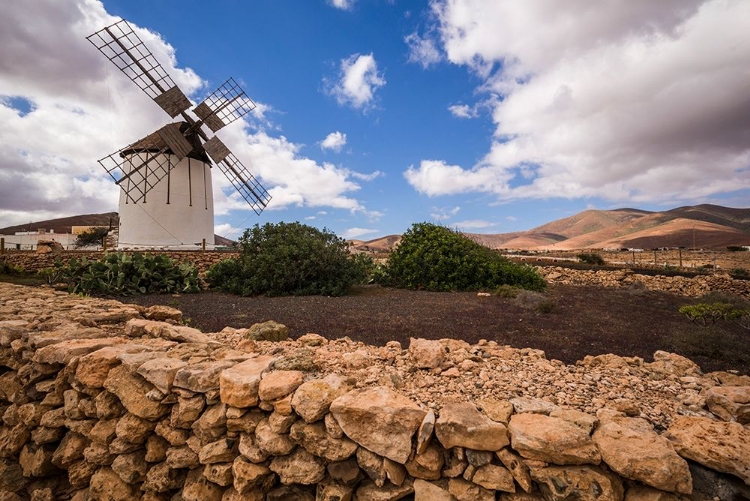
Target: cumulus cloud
x: 444, y: 213
x: 357, y: 232
x: 368, y: 177
x: 463, y: 111
x: 473, y: 224
x: 334, y: 141
x: 422, y: 50
x: 633, y: 101
x: 342, y: 4
x: 359, y: 79
x: 63, y: 106
x: 226, y: 230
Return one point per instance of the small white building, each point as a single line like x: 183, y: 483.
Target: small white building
x: 27, y: 240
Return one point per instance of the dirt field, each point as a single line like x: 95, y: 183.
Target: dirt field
x: 567, y: 322
x: 687, y: 258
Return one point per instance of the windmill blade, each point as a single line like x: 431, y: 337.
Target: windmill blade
x: 241, y: 178
x: 140, y: 166
x: 225, y: 105
x: 120, y: 44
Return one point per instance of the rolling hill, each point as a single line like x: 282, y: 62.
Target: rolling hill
x: 703, y: 226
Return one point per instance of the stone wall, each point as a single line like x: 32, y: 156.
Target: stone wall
x: 32, y: 261
x: 106, y: 401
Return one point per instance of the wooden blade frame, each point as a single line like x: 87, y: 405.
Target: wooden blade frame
x: 139, y: 167
x: 240, y: 177
x: 120, y: 44
x: 225, y: 105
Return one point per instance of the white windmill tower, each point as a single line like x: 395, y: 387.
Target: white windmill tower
x: 166, y: 196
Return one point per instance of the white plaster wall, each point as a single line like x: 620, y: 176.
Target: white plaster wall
x: 178, y: 218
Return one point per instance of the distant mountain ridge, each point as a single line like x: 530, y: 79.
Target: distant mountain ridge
x: 64, y: 225
x: 702, y: 226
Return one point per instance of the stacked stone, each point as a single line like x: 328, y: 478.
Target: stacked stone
x: 105, y: 401
x: 685, y: 286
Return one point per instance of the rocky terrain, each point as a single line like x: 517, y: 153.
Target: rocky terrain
x: 101, y: 400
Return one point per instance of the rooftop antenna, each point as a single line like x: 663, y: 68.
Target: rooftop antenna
x: 165, y: 161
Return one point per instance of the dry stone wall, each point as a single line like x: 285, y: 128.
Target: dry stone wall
x: 105, y: 401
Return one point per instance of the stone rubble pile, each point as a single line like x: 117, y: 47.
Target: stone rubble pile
x: 693, y: 287
x: 105, y: 401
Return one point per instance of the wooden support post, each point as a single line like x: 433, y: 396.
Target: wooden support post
x: 203, y: 245
x: 655, y: 259
x: 633, y: 258
x: 2, y: 246
x: 104, y: 244
x: 680, y: 251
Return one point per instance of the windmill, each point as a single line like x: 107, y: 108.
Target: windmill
x: 166, y: 194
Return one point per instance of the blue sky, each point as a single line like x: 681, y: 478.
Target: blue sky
x: 489, y: 116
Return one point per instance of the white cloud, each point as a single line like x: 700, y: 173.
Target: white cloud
x: 342, y: 4
x: 444, y: 213
x: 358, y: 81
x: 334, y: 141
x: 472, y: 224
x: 226, y: 230
x: 368, y: 177
x: 352, y: 233
x: 632, y: 101
x: 422, y: 50
x: 83, y: 108
x: 463, y: 111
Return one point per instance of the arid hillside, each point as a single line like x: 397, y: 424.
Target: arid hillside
x: 701, y: 226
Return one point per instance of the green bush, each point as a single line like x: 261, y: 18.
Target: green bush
x: 7, y: 268
x: 591, y: 258
x: 92, y: 237
x: 709, y: 313
x: 435, y: 258
x: 290, y: 259
x: 740, y: 273
x: 123, y: 274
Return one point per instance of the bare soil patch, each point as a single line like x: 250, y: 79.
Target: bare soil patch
x: 567, y: 322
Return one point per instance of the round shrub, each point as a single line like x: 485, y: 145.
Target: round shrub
x: 290, y: 259
x: 436, y: 258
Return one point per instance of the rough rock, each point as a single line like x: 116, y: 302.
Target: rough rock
x: 632, y: 448
x: 379, y: 419
x: 719, y: 445
x: 517, y: 468
x: 273, y: 443
x: 132, y: 467
x: 248, y: 475
x: 462, y: 425
x: 428, y: 491
x: 426, y: 354
x: 329, y: 490
x: 584, y: 483
x: 202, y: 377
x: 371, y: 492
x: 492, y: 476
x: 532, y: 405
x: 198, y: 488
x: 299, y: 467
x: 161, y: 372
x: 426, y: 465
x: 373, y: 465
x: 107, y: 485
x: 646, y: 493
x: 267, y: 331
x: 220, y: 451
x: 132, y: 389
x: 424, y: 434
x: 312, y: 399
x: 730, y: 403
x: 496, y: 410
x: 219, y: 473
x: 554, y: 440
x: 239, y: 384
x: 463, y: 490
x: 278, y: 384
x: 315, y: 440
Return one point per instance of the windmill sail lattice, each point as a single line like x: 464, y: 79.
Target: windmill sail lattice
x: 140, y: 166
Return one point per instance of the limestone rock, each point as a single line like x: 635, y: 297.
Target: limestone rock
x: 312, y: 399
x: 161, y: 313
x: 426, y: 465
x: 299, y: 467
x: 315, y: 440
x: 646, y: 493
x: 280, y: 423
x: 368, y: 490
x: 373, y: 465
x: 186, y: 411
x: 719, y: 445
x: 201, y: 377
x: 13, y: 439
x: 219, y: 473
x: 278, y: 384
x: 463, y: 490
x: 517, y: 468
x: 248, y: 475
x: 106, y: 485
x: 131, y: 389
x: 64, y: 351
x: 345, y: 472
x: 329, y: 490
x: 584, y: 483
x: 394, y: 472
x: 496, y: 410
x: 182, y: 457
x: 427, y: 491
x: 424, y: 434
x: 70, y: 450
x: 132, y: 467
x: 583, y: 420
x: 93, y: 368
x: 730, y: 403
x: 379, y: 419
x: 270, y: 442
x: 462, y: 425
x: 212, y: 424
x: 426, y: 354
x: 494, y: 477
x: 133, y: 429
x: 161, y: 372
x: 156, y: 449
x: 249, y: 448
x: 220, y: 451
x: 239, y: 384
x: 163, y: 478
x: 267, y: 331
x: 36, y: 460
x: 198, y: 488
x: 632, y: 448
x: 554, y: 440
x: 674, y: 364
x: 532, y: 405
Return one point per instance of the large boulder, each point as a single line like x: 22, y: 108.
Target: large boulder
x: 719, y: 445
x: 553, y: 440
x: 299, y: 467
x: 238, y: 386
x: 462, y: 425
x: 379, y: 419
x: 132, y: 390
x: 730, y: 403
x: 632, y: 448
x: 267, y: 331
x: 201, y: 377
x: 425, y: 353
x: 312, y: 400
